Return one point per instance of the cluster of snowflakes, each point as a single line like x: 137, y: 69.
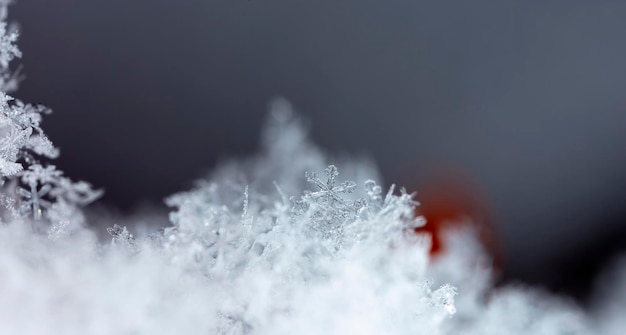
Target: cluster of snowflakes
x: 30, y: 188
x: 261, y: 246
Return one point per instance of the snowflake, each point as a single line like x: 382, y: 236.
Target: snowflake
x: 122, y: 237
x: 326, y: 207
x: 58, y: 230
x: 78, y: 193
x: 23, y: 142
x: 28, y: 117
x: 56, y: 187
x: 373, y: 191
x: 8, y: 49
x: 33, y: 199
x: 329, y: 192
x: 37, y: 173
x: 221, y: 242
x: 10, y: 146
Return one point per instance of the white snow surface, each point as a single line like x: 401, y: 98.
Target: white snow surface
x: 258, y: 248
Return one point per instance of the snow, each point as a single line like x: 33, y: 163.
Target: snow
x: 261, y: 246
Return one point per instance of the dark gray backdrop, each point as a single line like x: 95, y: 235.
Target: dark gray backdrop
x: 526, y: 96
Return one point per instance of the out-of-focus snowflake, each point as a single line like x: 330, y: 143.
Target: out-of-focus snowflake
x: 8, y: 49
x: 46, y: 184
x: 121, y: 237
x: 33, y: 200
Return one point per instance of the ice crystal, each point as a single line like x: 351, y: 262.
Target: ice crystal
x: 34, y: 199
x: 54, y: 187
x: 122, y: 237
x: 8, y: 49
x: 329, y: 193
x: 327, y: 208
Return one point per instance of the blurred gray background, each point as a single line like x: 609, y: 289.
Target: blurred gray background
x: 525, y: 97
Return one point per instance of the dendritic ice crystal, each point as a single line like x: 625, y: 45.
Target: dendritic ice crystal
x: 23, y: 142
x: 278, y: 243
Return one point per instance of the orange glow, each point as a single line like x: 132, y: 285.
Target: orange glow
x: 449, y: 203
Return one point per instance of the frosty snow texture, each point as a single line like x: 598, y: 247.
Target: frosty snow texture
x: 280, y: 243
